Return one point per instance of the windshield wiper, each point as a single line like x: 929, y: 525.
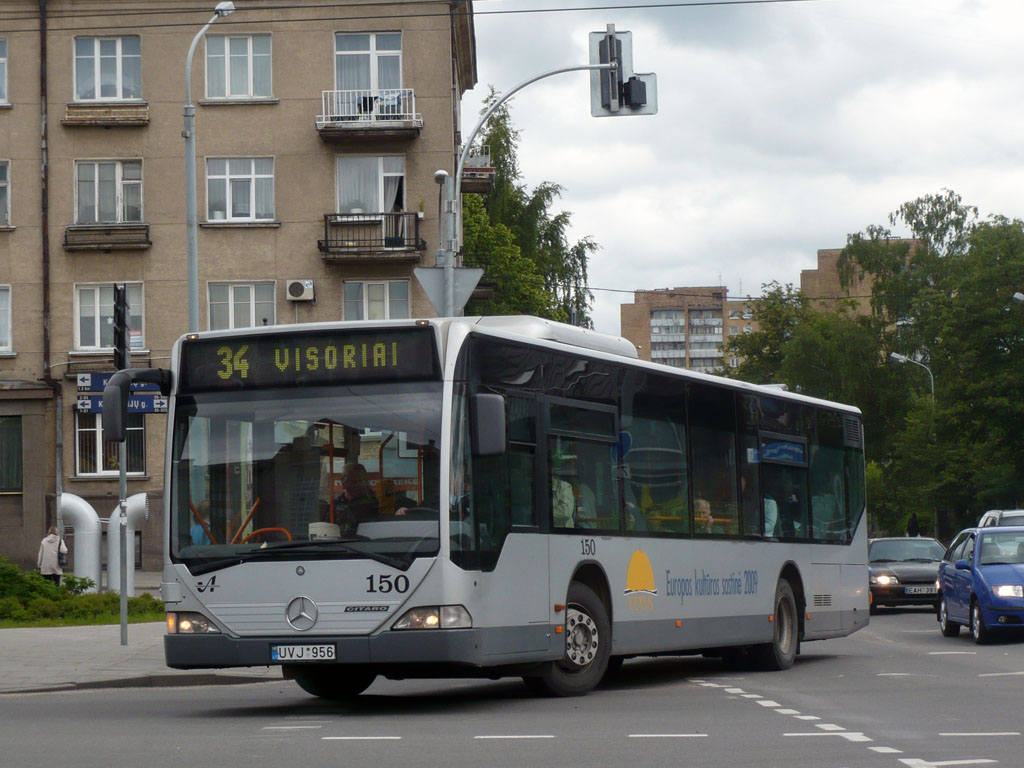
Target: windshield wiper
x: 344, y: 545
x: 882, y: 560
x: 920, y: 560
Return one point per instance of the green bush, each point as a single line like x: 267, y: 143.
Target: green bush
x: 26, y: 597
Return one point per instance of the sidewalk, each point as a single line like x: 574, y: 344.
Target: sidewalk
x: 69, y: 658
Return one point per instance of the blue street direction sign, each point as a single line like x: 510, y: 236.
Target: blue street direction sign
x: 95, y: 382
x: 140, y: 403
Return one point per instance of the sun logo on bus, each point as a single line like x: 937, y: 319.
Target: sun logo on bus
x: 640, y: 587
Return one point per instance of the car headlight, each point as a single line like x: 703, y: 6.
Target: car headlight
x: 435, y: 617
x: 884, y: 580
x: 1008, y: 590
x: 190, y: 624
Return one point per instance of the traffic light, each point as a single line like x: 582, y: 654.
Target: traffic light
x: 120, y: 327
x: 619, y: 91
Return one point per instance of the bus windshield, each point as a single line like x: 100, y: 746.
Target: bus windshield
x: 321, y: 472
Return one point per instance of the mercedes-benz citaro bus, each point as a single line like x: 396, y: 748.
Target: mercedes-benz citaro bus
x: 492, y: 496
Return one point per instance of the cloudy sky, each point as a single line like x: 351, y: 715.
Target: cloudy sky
x: 782, y: 127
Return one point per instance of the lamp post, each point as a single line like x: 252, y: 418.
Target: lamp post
x: 191, y: 218
x: 904, y: 359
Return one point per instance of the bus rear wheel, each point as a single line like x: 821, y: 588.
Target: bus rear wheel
x: 588, y: 642
x: 337, y: 684
x: 781, y: 651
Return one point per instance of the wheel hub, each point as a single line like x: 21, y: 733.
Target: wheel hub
x: 581, y: 640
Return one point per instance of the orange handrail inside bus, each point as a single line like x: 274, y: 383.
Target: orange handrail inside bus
x: 234, y: 539
x: 199, y: 519
x: 285, y: 531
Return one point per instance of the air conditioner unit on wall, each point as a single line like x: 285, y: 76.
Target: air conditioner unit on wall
x: 300, y: 290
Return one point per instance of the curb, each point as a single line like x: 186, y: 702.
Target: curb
x: 147, y: 681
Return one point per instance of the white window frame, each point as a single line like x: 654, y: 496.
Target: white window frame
x: 234, y: 303
x: 3, y: 71
x: 102, y: 448
x: 6, y: 341
x: 364, y: 299
x: 5, y: 198
x: 121, y: 185
x: 105, y: 314
x: 251, y: 59
x: 96, y: 59
x: 228, y: 177
x: 373, y: 54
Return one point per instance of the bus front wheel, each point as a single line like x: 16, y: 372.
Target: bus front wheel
x: 781, y: 651
x: 337, y: 684
x: 588, y: 643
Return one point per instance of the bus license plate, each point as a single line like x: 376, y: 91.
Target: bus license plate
x: 921, y: 591
x: 285, y: 653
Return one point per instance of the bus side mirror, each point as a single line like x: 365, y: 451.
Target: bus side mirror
x: 487, y: 424
x: 115, y: 406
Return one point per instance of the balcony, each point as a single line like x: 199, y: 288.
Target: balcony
x: 107, y: 237
x: 366, y: 114
x: 371, y: 237
x: 106, y: 113
x: 478, y: 173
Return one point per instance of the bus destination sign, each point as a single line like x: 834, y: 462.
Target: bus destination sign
x: 308, y: 359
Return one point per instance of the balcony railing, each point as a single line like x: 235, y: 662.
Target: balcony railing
x: 373, y: 236
x: 360, y: 113
x: 107, y: 237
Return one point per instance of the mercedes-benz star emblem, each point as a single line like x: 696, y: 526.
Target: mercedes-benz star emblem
x: 301, y: 613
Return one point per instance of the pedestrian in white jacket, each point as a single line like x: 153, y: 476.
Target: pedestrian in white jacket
x: 48, y: 560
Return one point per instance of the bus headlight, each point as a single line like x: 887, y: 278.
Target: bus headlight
x: 1008, y: 590
x: 435, y: 617
x: 190, y: 624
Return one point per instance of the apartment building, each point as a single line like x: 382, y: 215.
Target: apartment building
x: 823, y: 286
x: 318, y: 132
x: 685, y: 327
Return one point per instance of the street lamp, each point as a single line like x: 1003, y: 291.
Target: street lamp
x: 904, y: 359
x: 191, y: 218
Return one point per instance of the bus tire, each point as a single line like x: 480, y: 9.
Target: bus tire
x: 588, y: 644
x: 336, y: 684
x: 780, y: 653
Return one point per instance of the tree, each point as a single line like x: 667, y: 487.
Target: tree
x: 777, y: 314
x: 540, y: 235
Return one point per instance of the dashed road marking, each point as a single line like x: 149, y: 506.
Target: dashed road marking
x: 361, y: 738
x: 886, y: 750
x: 978, y: 733
x: 999, y: 674
x: 498, y: 736
x: 915, y: 762
x: 291, y: 727
x: 668, y: 735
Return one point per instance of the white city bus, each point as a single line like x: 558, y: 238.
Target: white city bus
x: 492, y: 497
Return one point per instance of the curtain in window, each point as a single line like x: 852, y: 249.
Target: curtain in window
x: 351, y: 70
x: 264, y: 169
x: 107, y: 192
x: 358, y: 190
x: 10, y: 453
x: 261, y: 69
x: 398, y: 300
x: 215, y: 63
x: 5, y: 318
x: 353, y: 301
x: 131, y: 68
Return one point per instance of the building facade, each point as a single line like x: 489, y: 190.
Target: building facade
x: 318, y: 133
x: 825, y: 290
x: 685, y: 327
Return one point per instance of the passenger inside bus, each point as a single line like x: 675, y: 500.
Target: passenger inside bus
x: 357, y: 502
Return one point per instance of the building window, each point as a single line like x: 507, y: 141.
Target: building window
x: 240, y: 188
x: 5, y: 193
x: 96, y: 317
x: 371, y: 184
x: 6, y: 344
x: 733, y: 330
x: 3, y: 70
x: 108, y: 192
x: 10, y: 454
x: 377, y: 300
x: 108, y: 68
x: 238, y: 67
x: 241, y: 305
x: 94, y: 456
x: 368, y: 62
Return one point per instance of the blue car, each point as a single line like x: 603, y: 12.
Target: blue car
x: 981, y: 582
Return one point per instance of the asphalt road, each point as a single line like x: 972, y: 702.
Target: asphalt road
x: 896, y: 694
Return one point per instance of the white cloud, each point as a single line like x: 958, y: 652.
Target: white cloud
x: 781, y: 129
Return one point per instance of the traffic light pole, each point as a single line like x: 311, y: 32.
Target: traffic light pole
x: 122, y: 360
x: 452, y: 191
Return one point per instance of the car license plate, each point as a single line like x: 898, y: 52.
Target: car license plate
x: 920, y: 591
x: 283, y: 653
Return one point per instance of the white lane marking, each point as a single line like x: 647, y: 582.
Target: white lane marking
x: 848, y: 735
x: 290, y: 727
x: 952, y: 653
x: 1000, y: 674
x: 830, y: 727
x: 788, y: 711
x: 734, y: 690
x: 518, y: 736
x: 807, y: 717
x: 668, y: 735
x: 712, y: 685
x: 977, y: 733
x: 768, y: 703
x: 752, y: 696
x: 916, y: 762
x: 886, y: 750
x: 360, y: 738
